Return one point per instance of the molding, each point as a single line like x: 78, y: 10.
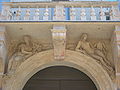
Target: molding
x: 45, y: 59
x: 66, y: 4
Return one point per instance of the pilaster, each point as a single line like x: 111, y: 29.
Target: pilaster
x: 4, y: 42
x: 116, y: 54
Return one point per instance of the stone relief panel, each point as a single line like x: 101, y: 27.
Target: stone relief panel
x: 22, y: 50
x: 100, y: 50
x: 97, y: 50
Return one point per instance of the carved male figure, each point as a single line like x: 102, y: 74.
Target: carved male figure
x: 96, y: 52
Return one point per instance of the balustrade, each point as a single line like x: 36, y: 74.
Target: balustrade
x: 58, y: 12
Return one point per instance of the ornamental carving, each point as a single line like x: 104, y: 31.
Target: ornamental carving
x: 98, y: 51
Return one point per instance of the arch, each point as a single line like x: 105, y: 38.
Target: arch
x: 73, y: 59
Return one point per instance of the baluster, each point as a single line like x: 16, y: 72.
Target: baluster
x: 92, y: 13
x: 37, y: 14
x: 72, y: 13
x: 55, y: 14
x: 10, y: 15
x: 64, y: 17
x: 18, y: 14
x: 111, y: 13
x: 46, y: 14
x: 27, y: 15
x: 83, y: 14
x: 102, y: 14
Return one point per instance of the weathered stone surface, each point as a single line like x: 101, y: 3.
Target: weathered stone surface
x: 46, y: 59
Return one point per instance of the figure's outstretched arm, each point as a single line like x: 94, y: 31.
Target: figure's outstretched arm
x: 25, y: 52
x: 78, y: 46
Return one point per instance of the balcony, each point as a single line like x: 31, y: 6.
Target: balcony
x: 60, y: 11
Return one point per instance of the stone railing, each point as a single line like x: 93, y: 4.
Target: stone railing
x: 60, y: 11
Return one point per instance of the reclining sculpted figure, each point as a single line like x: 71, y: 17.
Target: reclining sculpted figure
x: 97, y: 51
x: 24, y: 50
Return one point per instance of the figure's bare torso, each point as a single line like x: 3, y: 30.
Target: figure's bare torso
x: 26, y: 48
x: 86, y: 46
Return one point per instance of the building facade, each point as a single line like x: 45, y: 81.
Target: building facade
x: 60, y: 45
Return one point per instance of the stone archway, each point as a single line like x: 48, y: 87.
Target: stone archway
x: 73, y: 59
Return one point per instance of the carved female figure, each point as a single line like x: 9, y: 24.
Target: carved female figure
x: 26, y: 47
x: 23, y: 51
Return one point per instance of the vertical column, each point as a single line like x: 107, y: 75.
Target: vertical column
x: 46, y: 14
x: 3, y: 51
x: 116, y: 54
x: 72, y: 13
x: 59, y: 13
x: 92, y: 13
x: 83, y: 14
x: 59, y: 41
